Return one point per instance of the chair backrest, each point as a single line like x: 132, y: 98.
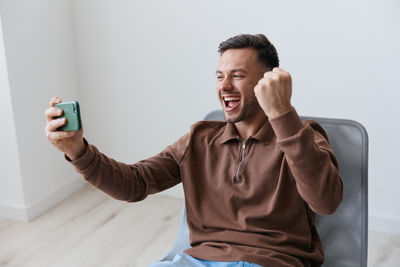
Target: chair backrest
x: 344, y: 234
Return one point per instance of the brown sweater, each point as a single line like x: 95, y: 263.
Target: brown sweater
x: 251, y: 200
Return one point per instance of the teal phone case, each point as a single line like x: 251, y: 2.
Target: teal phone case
x: 73, y: 115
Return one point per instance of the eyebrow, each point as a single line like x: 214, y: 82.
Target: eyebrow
x: 232, y: 71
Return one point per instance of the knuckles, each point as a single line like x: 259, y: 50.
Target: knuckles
x: 277, y: 76
x: 275, y: 79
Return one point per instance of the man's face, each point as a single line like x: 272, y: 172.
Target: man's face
x: 238, y: 73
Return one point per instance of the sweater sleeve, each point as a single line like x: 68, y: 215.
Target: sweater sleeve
x: 311, y: 161
x: 132, y: 182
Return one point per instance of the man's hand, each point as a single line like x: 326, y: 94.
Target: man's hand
x: 71, y: 143
x: 274, y: 91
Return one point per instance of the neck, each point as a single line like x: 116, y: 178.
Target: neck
x: 250, y: 126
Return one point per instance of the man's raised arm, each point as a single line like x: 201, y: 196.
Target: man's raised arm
x: 128, y: 182
x: 307, y: 151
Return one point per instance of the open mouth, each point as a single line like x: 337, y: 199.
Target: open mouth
x: 231, y: 102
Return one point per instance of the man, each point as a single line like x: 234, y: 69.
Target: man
x: 252, y: 184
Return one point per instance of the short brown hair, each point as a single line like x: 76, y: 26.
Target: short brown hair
x: 266, y: 51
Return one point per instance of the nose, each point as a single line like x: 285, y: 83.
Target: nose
x: 225, y: 84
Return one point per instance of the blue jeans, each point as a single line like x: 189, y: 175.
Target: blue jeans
x: 185, y: 260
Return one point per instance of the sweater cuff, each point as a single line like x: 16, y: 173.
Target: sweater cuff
x: 84, y: 160
x: 287, y: 124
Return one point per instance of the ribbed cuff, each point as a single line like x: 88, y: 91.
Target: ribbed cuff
x: 287, y: 124
x: 84, y: 159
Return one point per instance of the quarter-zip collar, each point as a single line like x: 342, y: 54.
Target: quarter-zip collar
x: 264, y: 134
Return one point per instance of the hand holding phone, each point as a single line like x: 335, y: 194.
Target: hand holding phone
x: 64, y: 128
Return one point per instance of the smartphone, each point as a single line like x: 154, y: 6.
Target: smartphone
x: 73, y: 115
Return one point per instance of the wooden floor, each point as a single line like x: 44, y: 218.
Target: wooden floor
x: 92, y: 229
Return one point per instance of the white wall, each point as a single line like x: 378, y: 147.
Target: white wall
x: 11, y: 193
x: 144, y: 72
x: 39, y: 45
x: 147, y: 72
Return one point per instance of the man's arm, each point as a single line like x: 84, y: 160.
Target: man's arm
x: 311, y: 161
x: 307, y: 151
x: 131, y: 182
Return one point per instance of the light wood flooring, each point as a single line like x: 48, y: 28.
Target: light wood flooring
x: 91, y: 229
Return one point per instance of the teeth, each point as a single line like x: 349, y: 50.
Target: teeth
x: 231, y: 98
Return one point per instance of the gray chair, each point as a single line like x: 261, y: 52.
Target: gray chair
x: 344, y: 234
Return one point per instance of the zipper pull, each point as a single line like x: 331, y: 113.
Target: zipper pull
x: 237, y: 179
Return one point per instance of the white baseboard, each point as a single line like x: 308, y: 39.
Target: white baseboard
x: 13, y: 212
x: 28, y: 213
x: 384, y: 224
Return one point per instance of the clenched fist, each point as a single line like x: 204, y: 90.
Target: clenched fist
x: 273, y: 92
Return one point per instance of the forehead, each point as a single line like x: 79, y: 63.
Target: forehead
x: 243, y: 58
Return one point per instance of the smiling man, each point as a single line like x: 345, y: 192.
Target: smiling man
x: 252, y: 184
x: 243, y: 90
